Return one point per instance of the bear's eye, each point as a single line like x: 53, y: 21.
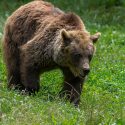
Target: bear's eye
x: 77, y: 56
x: 90, y: 57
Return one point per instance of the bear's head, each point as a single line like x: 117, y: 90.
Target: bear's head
x: 77, y: 50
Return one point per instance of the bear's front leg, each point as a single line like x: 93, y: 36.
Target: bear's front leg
x: 72, y: 87
x: 31, y: 82
x: 30, y: 77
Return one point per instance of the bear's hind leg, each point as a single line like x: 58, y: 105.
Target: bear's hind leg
x: 11, y: 56
x: 14, y: 80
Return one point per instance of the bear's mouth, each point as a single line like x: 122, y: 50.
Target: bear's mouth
x: 77, y: 72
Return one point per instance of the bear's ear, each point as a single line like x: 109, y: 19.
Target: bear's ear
x: 65, y: 36
x: 95, y: 37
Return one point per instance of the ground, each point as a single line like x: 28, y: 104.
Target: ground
x: 103, y: 97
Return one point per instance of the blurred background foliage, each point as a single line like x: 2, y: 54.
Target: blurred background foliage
x: 104, y: 12
x: 84, y: 3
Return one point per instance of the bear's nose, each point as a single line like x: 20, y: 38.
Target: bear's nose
x: 86, y: 71
x: 86, y: 68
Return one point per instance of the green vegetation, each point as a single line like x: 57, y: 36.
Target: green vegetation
x: 103, y: 97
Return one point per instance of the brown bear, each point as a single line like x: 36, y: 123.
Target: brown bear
x: 39, y: 37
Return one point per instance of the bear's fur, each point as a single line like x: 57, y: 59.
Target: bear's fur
x: 39, y: 37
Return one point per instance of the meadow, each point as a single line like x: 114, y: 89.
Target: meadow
x: 103, y: 96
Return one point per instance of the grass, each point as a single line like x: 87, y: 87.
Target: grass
x: 103, y: 97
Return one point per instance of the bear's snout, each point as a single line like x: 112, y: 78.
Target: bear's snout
x: 86, y: 68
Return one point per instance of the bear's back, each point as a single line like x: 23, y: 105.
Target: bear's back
x: 22, y: 25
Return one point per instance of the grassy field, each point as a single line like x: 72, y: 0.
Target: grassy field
x: 103, y: 97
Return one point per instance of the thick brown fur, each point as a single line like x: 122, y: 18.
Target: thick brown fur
x: 39, y: 37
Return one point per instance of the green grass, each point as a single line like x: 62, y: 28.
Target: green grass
x: 103, y: 97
